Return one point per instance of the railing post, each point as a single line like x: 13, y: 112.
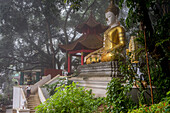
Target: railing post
x: 82, y: 58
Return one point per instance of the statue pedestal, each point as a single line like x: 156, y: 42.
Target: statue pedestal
x: 96, y: 76
x: 102, y: 69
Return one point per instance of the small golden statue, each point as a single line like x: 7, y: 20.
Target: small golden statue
x: 133, y: 46
x: 114, y: 38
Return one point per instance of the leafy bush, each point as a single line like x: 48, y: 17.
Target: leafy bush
x: 162, y: 107
x: 70, y: 99
x: 117, y: 99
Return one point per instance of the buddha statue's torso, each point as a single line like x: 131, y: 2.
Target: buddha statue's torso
x: 114, y: 38
x: 111, y: 37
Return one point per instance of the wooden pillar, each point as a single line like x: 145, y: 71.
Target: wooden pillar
x: 21, y: 82
x: 69, y: 63
x: 37, y: 76
x: 82, y: 58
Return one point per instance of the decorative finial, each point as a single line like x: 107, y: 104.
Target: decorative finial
x: 91, y: 13
x: 112, y: 2
x: 112, y: 8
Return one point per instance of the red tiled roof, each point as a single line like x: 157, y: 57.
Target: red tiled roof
x: 91, y: 40
x: 88, y: 41
x: 91, y: 23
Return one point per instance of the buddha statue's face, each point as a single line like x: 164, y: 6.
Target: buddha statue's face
x: 110, y: 18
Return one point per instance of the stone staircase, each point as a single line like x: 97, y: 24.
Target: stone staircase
x: 33, y: 101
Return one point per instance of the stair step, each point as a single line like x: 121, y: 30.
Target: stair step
x: 32, y: 106
x: 32, y: 98
x: 33, y: 101
x: 32, y: 111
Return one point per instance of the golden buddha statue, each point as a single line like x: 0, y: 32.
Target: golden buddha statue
x: 114, y: 38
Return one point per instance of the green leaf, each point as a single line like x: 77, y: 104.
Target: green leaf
x: 65, y: 1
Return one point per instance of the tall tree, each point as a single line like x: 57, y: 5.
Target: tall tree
x: 36, y: 27
x: 32, y: 31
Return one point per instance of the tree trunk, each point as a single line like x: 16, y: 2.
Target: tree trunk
x: 51, y: 44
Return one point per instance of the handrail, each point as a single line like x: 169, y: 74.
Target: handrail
x: 23, y: 94
x: 24, y: 98
x: 41, y: 95
x: 52, y: 79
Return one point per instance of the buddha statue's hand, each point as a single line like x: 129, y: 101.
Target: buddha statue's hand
x: 85, y: 58
x: 89, y: 55
x: 108, y: 51
x: 99, y: 51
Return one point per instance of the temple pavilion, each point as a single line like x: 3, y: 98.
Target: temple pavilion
x: 89, y: 41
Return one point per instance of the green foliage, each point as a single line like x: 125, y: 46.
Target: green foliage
x: 51, y: 88
x: 161, y: 107
x: 158, y: 78
x: 129, y: 72
x: 154, y: 17
x: 117, y: 99
x: 162, y: 34
x: 76, y: 4
x: 1, y: 96
x: 70, y: 99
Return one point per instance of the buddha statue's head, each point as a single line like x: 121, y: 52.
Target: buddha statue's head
x: 111, y: 13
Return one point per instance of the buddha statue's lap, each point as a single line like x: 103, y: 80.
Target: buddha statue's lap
x: 114, y: 39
